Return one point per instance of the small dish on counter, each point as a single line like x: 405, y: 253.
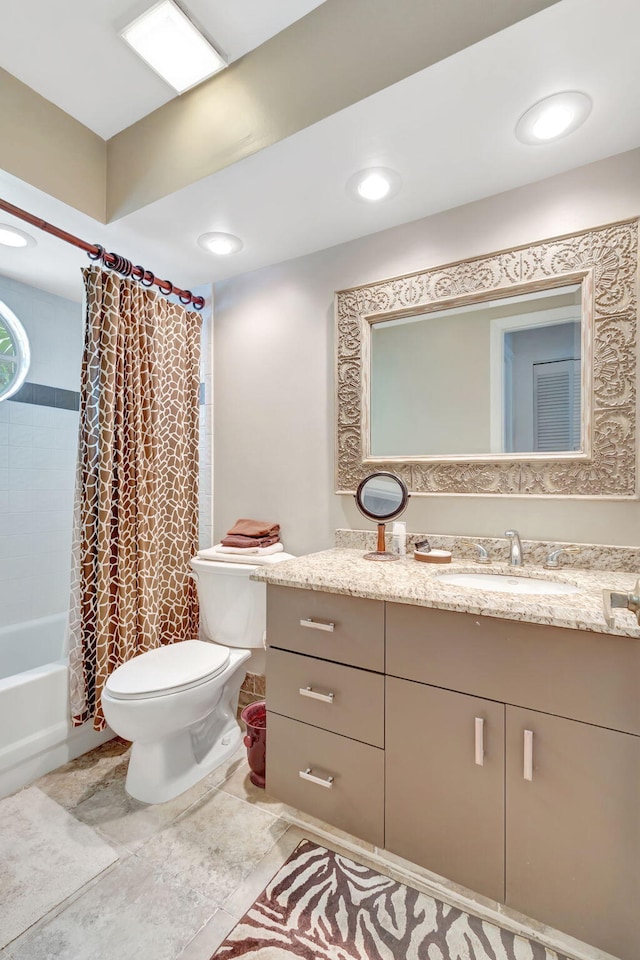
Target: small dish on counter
x: 433, y: 556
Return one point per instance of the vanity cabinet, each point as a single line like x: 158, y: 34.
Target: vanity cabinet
x: 325, y: 664
x: 508, y: 759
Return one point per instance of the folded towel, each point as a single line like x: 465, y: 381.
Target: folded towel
x: 251, y: 551
x: 213, y: 553
x: 245, y: 542
x: 254, y: 528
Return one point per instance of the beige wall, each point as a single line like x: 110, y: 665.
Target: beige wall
x: 44, y: 146
x: 274, y: 355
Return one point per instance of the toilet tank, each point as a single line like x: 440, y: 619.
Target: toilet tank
x: 233, y: 608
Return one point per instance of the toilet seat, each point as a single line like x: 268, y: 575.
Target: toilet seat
x: 169, y: 669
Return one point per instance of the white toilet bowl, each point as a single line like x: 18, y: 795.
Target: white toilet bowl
x: 181, y: 732
x: 178, y: 703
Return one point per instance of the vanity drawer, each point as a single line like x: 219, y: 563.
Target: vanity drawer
x: 592, y: 677
x: 352, y: 801
x: 342, y: 699
x: 329, y: 625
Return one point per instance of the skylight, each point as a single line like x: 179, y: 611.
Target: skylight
x: 170, y: 44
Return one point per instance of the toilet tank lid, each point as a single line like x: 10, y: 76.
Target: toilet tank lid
x: 221, y: 566
x: 168, y: 668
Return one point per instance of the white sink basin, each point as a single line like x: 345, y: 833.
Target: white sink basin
x: 503, y: 583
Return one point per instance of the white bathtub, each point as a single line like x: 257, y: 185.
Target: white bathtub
x: 36, y: 734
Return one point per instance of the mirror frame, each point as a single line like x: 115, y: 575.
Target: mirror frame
x: 389, y: 516
x: 605, y: 261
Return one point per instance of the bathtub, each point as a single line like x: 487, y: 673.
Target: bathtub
x: 36, y: 734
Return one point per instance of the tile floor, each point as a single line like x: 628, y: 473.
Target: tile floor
x: 187, y: 870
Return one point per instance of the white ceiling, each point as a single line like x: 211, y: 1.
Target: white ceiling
x: 69, y: 51
x: 448, y: 131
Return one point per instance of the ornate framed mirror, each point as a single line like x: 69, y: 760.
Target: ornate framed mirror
x: 513, y: 373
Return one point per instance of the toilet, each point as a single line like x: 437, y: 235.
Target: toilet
x: 178, y: 703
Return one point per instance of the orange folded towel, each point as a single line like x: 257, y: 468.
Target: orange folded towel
x: 238, y: 541
x: 254, y: 528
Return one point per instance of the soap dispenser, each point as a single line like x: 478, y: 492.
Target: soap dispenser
x: 399, y: 538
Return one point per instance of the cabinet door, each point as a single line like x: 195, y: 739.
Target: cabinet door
x: 444, y: 783
x: 573, y: 829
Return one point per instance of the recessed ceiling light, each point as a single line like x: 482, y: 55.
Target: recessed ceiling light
x: 12, y: 237
x: 374, y: 184
x: 171, y: 45
x: 222, y: 244
x: 553, y: 118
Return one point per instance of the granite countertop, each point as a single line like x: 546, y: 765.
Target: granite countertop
x: 408, y: 581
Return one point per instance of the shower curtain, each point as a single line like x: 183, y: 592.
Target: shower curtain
x: 136, y: 510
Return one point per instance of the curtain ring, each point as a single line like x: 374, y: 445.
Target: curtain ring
x: 185, y: 297
x: 125, y: 267
x: 169, y: 287
x: 147, y: 279
x: 198, y: 303
x: 99, y: 252
x: 138, y: 272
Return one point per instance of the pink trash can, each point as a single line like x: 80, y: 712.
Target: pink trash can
x: 255, y: 718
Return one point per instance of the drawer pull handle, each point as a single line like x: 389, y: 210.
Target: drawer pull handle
x: 319, y: 781
x: 317, y: 625
x: 528, y: 755
x: 479, y: 730
x: 310, y: 692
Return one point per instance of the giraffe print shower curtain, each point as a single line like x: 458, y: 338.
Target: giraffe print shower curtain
x: 136, y: 511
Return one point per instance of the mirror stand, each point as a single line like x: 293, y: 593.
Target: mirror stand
x: 381, y: 552
x: 381, y: 496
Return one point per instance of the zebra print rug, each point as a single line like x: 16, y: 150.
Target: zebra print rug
x: 321, y: 906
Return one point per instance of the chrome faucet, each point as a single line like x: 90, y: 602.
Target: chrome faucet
x: 483, y: 556
x: 515, y: 548
x: 552, y: 559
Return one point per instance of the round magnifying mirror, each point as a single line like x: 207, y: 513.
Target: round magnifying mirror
x: 382, y: 496
x: 14, y: 353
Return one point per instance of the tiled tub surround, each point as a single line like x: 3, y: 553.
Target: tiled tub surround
x: 344, y: 571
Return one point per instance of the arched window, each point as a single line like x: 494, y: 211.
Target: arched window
x: 14, y: 353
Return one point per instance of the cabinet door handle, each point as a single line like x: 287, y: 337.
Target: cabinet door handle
x: 317, y: 625
x: 528, y: 755
x: 319, y: 781
x: 310, y: 692
x: 480, y: 741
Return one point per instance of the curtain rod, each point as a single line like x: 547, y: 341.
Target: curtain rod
x: 111, y: 260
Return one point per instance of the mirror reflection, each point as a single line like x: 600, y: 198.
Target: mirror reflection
x: 496, y: 377
x: 382, y: 496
